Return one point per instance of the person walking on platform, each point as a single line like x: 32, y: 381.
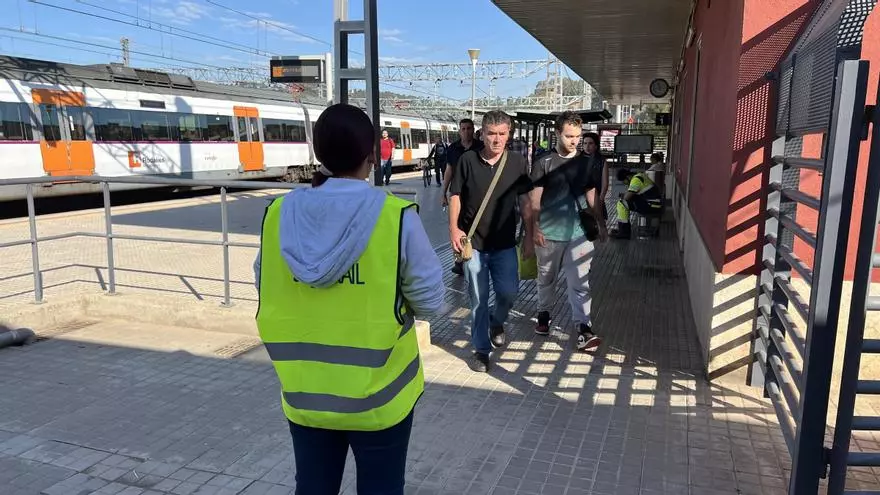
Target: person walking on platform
x: 386, y: 150
x: 482, y: 228
x: 438, y: 153
x: 342, y: 272
x: 561, y: 179
x: 591, y: 151
x: 465, y: 143
x: 641, y: 196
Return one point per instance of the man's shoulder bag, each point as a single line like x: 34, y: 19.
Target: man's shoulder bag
x: 467, y: 250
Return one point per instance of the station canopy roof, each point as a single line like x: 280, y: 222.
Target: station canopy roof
x: 618, y: 46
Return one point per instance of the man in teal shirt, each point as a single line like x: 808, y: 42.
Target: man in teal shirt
x: 563, y: 180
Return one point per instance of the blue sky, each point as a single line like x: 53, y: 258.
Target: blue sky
x: 243, y: 33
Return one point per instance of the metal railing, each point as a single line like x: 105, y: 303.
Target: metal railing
x: 792, y: 364
x: 108, y: 234
x: 851, y: 384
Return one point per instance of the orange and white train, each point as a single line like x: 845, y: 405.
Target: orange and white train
x: 115, y: 121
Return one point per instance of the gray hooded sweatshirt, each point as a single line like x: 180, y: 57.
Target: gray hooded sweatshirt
x: 324, y: 231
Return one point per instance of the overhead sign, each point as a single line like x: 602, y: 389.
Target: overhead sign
x: 296, y: 70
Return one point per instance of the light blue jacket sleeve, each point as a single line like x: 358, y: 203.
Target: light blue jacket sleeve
x: 257, y: 269
x: 421, y: 270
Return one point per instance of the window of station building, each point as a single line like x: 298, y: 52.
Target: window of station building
x: 419, y: 136
x: 276, y: 130
x: 15, y: 122
x: 112, y: 124
x: 394, y: 133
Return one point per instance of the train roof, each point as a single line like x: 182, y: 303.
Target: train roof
x: 118, y: 76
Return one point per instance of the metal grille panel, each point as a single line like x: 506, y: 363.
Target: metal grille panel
x: 786, y: 71
x: 812, y: 92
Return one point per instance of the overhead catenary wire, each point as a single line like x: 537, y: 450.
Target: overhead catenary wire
x: 273, y: 24
x: 174, y: 31
x: 98, y: 45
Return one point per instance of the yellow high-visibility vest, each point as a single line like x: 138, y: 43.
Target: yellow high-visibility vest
x: 347, y: 356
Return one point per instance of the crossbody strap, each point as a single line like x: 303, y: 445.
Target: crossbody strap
x: 488, y: 195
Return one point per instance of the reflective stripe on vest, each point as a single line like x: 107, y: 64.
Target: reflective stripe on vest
x: 345, y: 355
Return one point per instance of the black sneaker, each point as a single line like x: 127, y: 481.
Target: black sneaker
x: 543, y: 326
x: 496, y: 334
x: 480, y: 362
x: 458, y: 269
x: 587, y: 340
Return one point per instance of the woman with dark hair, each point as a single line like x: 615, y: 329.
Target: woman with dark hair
x: 598, y: 168
x: 343, y: 269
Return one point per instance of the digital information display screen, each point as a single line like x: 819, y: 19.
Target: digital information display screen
x: 296, y: 71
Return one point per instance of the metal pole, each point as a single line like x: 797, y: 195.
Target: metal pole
x: 35, y: 253
x: 371, y: 64
x: 108, y: 228
x: 328, y: 76
x: 224, y: 225
x: 473, y: 89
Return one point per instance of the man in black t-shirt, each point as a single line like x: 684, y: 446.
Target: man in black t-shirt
x: 494, y: 241
x: 465, y: 143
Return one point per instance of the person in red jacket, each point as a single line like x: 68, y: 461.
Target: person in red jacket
x: 387, y: 152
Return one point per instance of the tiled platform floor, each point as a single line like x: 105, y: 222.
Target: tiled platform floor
x: 98, y: 411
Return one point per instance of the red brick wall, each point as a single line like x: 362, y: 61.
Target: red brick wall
x: 811, y: 182
x: 769, y: 30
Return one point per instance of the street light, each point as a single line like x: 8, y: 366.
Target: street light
x: 474, y: 54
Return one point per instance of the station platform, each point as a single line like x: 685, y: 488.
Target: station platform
x: 176, y: 401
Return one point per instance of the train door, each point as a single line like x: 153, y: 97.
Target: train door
x: 64, y: 146
x: 406, y: 141
x: 250, y: 146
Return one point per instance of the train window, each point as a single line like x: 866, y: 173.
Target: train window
x: 192, y: 127
x: 14, y: 125
x: 151, y: 126
x: 419, y: 136
x: 77, y: 123
x: 112, y: 124
x: 51, y: 127
x: 243, y: 134
x: 434, y: 135
x: 295, y: 131
x: 255, y: 129
x: 272, y: 130
x: 291, y: 131
x: 219, y: 128
x: 394, y: 133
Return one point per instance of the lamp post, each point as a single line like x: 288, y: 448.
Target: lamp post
x: 474, y: 54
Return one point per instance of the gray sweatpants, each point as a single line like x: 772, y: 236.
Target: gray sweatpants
x: 573, y: 258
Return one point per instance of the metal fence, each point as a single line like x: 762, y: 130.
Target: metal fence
x: 108, y: 234
x: 822, y: 89
x: 851, y: 384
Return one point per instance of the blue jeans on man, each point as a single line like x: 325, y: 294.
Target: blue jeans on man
x: 386, y: 171
x: 502, y: 268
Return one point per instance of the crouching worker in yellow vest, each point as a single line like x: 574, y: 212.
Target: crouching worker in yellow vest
x: 641, y: 196
x: 343, y: 270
